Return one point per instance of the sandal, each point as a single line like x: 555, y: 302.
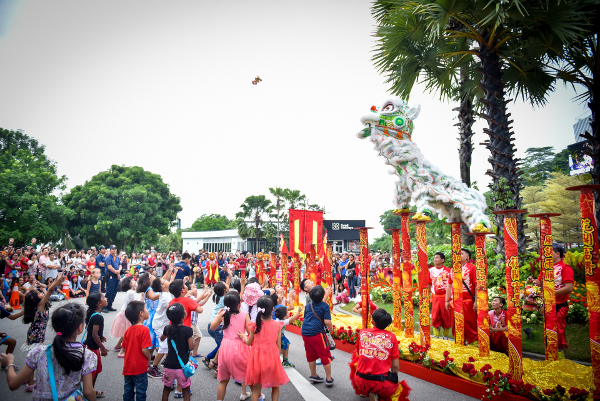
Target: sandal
x: 99, y: 394
x: 178, y: 395
x: 206, y: 363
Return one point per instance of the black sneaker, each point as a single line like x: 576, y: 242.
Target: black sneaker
x: 316, y: 379
x: 111, y: 309
x: 104, y: 310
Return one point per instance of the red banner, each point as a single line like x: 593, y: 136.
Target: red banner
x: 306, y: 229
x: 424, y: 293
x: 550, y: 328
x: 273, y: 269
x: 284, y: 270
x: 592, y: 274
x: 397, y: 279
x: 282, y: 246
x: 296, y: 273
x: 407, y: 267
x: 513, y: 301
x: 459, y: 318
x: 328, y: 277
x: 483, y: 318
x: 364, y: 281
x: 260, y: 267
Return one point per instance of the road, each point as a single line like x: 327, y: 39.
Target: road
x: 204, y: 385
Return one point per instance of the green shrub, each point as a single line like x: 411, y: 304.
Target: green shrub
x: 577, y: 314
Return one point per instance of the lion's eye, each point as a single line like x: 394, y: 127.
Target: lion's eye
x: 388, y: 107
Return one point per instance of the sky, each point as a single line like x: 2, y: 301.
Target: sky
x: 167, y: 86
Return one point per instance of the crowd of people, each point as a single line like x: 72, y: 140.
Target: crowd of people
x: 158, y: 321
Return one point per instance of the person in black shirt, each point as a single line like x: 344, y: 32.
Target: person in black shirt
x: 95, y: 331
x: 182, y: 337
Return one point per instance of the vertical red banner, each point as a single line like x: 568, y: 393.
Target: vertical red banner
x: 364, y: 271
x: 397, y: 279
x: 260, y: 267
x: 328, y: 274
x: 407, y: 267
x: 424, y: 293
x: 513, y: 293
x: 483, y: 318
x: 284, y: 270
x: 550, y: 326
x: 459, y: 318
x: 273, y: 269
x: 306, y: 229
x: 296, y: 272
x: 589, y: 230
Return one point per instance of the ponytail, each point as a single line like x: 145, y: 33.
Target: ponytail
x: 219, y: 290
x: 176, y: 314
x: 92, y: 302
x: 232, y: 304
x: 65, y: 321
x: 265, y: 303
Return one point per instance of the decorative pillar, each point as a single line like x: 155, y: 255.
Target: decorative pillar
x: 260, y: 267
x: 365, y: 261
x: 483, y: 317
x: 296, y: 272
x: 311, y: 268
x: 397, y: 278
x: 273, y: 270
x: 550, y: 329
x: 459, y: 317
x: 328, y: 278
x: 284, y: 271
x: 513, y: 293
x: 407, y: 268
x: 589, y: 230
x: 424, y: 292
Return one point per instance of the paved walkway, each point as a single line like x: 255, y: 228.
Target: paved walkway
x: 204, y: 386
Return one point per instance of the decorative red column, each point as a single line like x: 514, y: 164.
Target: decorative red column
x: 459, y: 317
x: 284, y: 270
x: 550, y: 329
x: 260, y: 267
x: 327, y: 262
x: 589, y: 229
x: 364, y: 282
x: 424, y: 292
x: 296, y: 272
x: 513, y: 293
x: 483, y: 318
x: 397, y: 278
x: 273, y: 269
x: 407, y: 268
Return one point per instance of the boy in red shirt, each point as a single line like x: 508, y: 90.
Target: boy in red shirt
x: 439, y: 275
x: 358, y: 307
x: 136, y: 343
x: 563, y: 285
x: 375, y: 363
x: 179, y: 291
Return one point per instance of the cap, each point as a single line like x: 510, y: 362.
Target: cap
x: 101, y: 247
x: 113, y: 247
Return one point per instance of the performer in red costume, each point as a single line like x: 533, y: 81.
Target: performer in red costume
x: 375, y: 363
x: 439, y: 275
x: 212, y: 271
x: 498, y: 327
x: 469, y: 279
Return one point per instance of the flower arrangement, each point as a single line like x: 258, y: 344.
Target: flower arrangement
x: 469, y: 369
x: 346, y: 336
x: 532, y: 297
x: 497, y: 382
x: 417, y: 352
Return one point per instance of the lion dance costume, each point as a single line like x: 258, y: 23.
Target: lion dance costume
x: 371, y: 363
x: 212, y: 270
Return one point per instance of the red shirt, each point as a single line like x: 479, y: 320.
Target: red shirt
x: 151, y: 261
x: 242, y: 263
x: 469, y: 276
x: 372, y: 306
x: 562, y: 274
x: 89, y: 264
x: 189, y: 305
x: 438, y: 279
x: 135, y: 339
x: 376, y: 350
x: 24, y: 266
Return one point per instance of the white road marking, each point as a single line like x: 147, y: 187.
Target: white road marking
x: 306, y: 389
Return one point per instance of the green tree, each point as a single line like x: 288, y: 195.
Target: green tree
x: 254, y: 209
x: 538, y: 164
x: 382, y: 244
x: 210, y: 222
x: 279, y: 207
x: 561, y: 161
x: 29, y: 191
x: 122, y: 206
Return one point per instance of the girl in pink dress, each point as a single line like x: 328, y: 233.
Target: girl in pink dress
x: 233, y: 354
x: 264, y: 367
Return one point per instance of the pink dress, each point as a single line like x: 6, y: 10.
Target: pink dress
x: 233, y: 353
x: 264, y: 365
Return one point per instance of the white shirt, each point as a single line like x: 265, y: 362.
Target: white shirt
x: 129, y: 296
x: 52, y: 272
x: 245, y: 308
x: 160, y: 316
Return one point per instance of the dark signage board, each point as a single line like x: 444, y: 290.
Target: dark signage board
x: 343, y: 229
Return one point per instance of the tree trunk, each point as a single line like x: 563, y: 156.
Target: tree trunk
x: 465, y: 150
x: 502, y: 160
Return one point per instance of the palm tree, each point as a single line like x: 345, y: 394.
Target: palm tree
x: 293, y: 197
x: 279, y: 195
x: 254, y: 208
x: 509, y: 41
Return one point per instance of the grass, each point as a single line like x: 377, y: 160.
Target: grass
x: 577, y: 335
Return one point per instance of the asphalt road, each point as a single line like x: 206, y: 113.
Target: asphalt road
x: 204, y: 385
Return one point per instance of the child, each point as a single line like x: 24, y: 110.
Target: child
x: 498, y: 327
x: 36, y: 307
x: 75, y: 290
x: 136, y: 343
x: 71, y: 363
x: 234, y: 352
x: 281, y: 314
x: 264, y: 368
x: 201, y: 300
x: 220, y: 289
x: 181, y: 334
x: 378, y: 375
x: 252, y: 292
x: 94, y: 284
x: 317, y: 314
x: 5, y: 339
x: 358, y: 307
x: 342, y: 296
x: 95, y: 329
x: 160, y: 321
x: 121, y: 323
x: 151, y: 300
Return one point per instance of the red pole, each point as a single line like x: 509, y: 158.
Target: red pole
x: 424, y: 293
x: 397, y: 278
x: 459, y: 317
x: 407, y: 268
x: 364, y: 282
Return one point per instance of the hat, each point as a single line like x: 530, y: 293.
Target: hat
x: 251, y: 294
x: 113, y: 247
x: 101, y: 247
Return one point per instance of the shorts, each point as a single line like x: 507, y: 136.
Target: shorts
x: 163, y: 348
x: 285, y: 343
x: 197, y: 332
x: 317, y: 347
x: 99, y: 363
x: 170, y: 375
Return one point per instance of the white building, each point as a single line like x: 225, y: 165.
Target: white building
x: 213, y: 241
